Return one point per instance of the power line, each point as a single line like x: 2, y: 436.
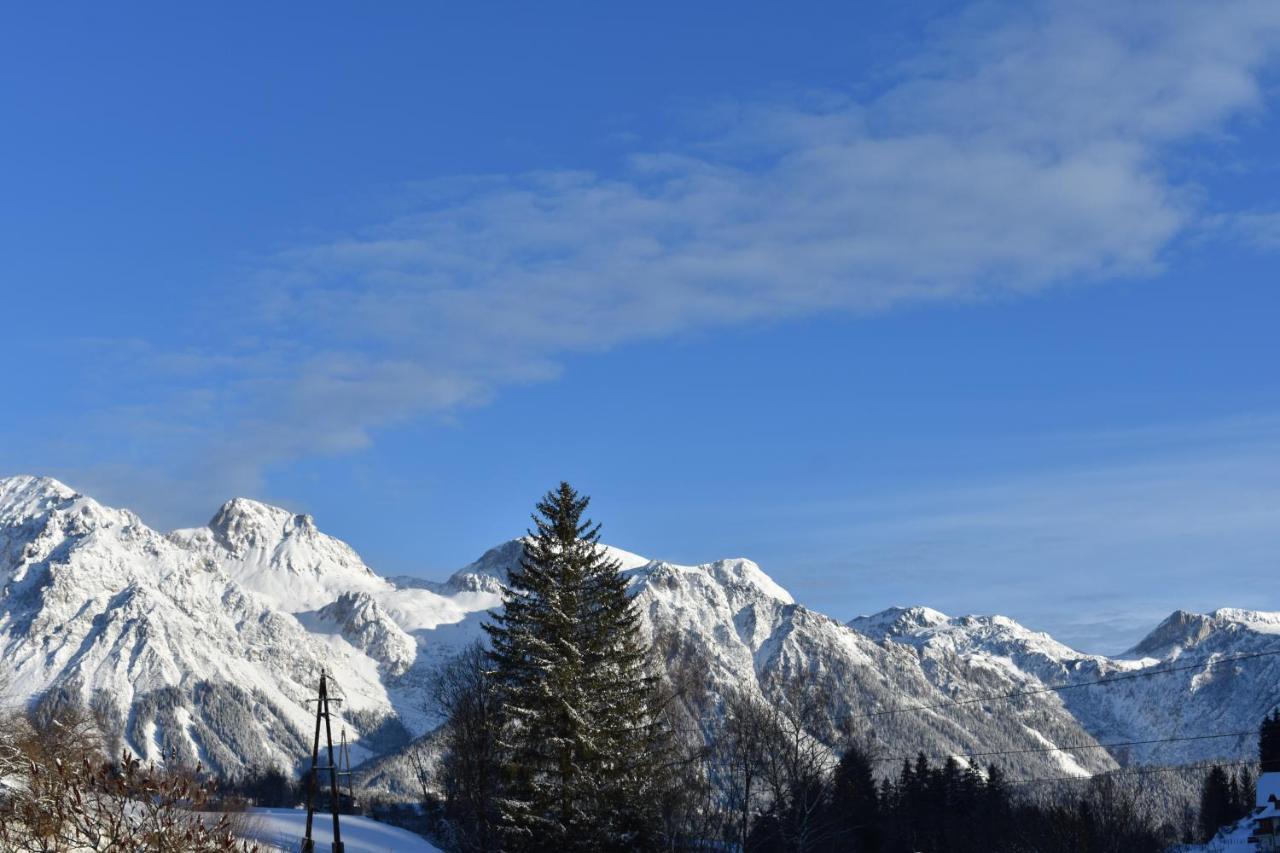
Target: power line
x: 1138, y: 771
x: 1056, y: 688
x: 1076, y: 746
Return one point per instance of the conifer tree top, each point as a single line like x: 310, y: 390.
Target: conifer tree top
x: 559, y: 515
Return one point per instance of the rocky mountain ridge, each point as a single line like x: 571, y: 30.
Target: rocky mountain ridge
x: 205, y: 643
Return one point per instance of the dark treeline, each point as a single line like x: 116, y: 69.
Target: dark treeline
x: 1225, y: 797
x: 951, y: 809
x: 268, y: 788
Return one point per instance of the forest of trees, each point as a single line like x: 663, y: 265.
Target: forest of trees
x: 1225, y: 797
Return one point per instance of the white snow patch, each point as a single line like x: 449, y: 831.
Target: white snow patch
x: 1065, y: 759
x: 283, y: 828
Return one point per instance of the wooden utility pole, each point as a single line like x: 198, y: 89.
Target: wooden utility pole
x: 345, y: 768
x: 322, y: 713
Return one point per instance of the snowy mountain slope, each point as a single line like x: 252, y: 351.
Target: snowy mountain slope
x: 744, y: 632
x: 207, y: 642
x: 1169, y: 684
x: 98, y: 608
x: 751, y: 635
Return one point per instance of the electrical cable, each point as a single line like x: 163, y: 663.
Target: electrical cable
x: 1060, y: 687
x: 1075, y: 747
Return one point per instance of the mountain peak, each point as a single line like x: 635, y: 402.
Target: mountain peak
x: 23, y: 495
x: 496, y: 563
x: 242, y: 523
x: 741, y: 572
x: 494, y: 567
x: 896, y: 621
x: 278, y: 554
x: 1180, y: 630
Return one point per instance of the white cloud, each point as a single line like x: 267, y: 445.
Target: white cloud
x: 1022, y: 152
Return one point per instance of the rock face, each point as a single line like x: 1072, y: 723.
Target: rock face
x: 1183, y: 630
x: 208, y: 641
x: 367, y: 626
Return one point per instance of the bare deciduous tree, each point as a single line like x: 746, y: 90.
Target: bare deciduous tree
x: 470, y: 761
x: 774, y: 774
x: 62, y: 794
x: 741, y: 745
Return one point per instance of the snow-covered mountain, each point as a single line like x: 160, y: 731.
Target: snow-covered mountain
x: 206, y: 643
x: 1167, y: 686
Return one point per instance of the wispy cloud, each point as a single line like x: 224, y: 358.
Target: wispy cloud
x: 1023, y: 151
x: 1095, y: 551
x: 1260, y: 229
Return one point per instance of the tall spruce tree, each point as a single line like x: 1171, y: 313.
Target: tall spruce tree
x: 855, y: 803
x: 1269, y: 743
x: 582, y: 733
x: 1216, y: 807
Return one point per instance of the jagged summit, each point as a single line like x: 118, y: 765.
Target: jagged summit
x: 931, y: 630
x: 31, y: 485
x: 242, y: 523
x: 24, y: 496
x: 1183, y: 630
x: 491, y: 570
x: 279, y: 554
x: 744, y: 573
x: 1180, y: 630
x: 895, y: 621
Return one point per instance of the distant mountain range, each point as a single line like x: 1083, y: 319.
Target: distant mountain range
x: 205, y: 643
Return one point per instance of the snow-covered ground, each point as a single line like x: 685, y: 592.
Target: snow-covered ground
x: 283, y: 829
x: 1232, y: 839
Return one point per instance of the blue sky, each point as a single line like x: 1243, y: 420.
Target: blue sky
x: 970, y: 305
